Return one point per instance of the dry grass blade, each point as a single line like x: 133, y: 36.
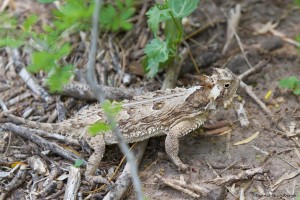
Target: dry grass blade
x: 247, y: 140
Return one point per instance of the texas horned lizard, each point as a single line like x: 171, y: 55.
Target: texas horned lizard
x: 174, y: 112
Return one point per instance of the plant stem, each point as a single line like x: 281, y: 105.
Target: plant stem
x: 99, y: 94
x: 178, y: 28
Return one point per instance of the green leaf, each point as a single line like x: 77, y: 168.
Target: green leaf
x: 157, y: 50
x: 119, y: 4
x: 297, y: 2
x: 182, y: 8
x: 114, y: 18
x: 46, y: 1
x: 129, y: 3
x: 289, y: 83
x: 173, y: 32
x: 59, y: 76
x: 42, y: 61
x: 63, y: 51
x: 298, y: 36
x: 126, y: 26
x: 31, y: 20
x: 107, y: 16
x: 98, y: 127
x: 78, y: 163
x: 111, y: 109
x: 11, y: 42
x: 297, y: 90
x: 126, y: 14
x: 155, y: 16
x: 152, y: 67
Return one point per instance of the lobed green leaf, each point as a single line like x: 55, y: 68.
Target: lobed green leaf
x: 29, y: 22
x: 78, y: 163
x: 297, y: 90
x: 182, y: 8
x: 98, y: 127
x: 152, y: 67
x: 155, y: 16
x: 289, y: 83
x: 111, y: 108
x: 11, y: 42
x: 157, y: 50
x: 59, y: 76
x: 42, y: 61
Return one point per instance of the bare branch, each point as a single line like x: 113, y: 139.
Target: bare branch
x: 101, y: 98
x: 27, y: 78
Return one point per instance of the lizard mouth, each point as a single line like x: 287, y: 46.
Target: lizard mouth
x: 227, y: 103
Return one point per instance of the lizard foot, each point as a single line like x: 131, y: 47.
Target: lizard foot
x: 183, y: 167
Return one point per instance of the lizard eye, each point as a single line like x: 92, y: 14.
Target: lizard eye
x: 227, y: 85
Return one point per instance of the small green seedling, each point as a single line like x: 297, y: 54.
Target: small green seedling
x: 78, y: 163
x: 114, y: 18
x: 110, y: 110
x: 98, y: 128
x: 291, y: 83
x: 163, y: 52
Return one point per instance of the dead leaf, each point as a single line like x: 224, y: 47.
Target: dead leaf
x: 17, y: 163
x: 62, y: 177
x: 268, y: 94
x: 249, y: 139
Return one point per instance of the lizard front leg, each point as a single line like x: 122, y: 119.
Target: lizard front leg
x: 98, y: 144
x: 172, y: 141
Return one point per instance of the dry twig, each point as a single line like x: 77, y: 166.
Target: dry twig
x: 16, y: 182
x: 73, y: 184
x: 173, y: 184
x: 123, y: 181
x: 208, y: 191
x: 23, y: 73
x: 31, y: 136
x: 242, y: 115
x: 244, y: 175
x: 249, y: 91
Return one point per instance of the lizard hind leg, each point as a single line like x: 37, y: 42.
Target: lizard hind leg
x: 172, y: 141
x: 172, y: 149
x: 98, y: 144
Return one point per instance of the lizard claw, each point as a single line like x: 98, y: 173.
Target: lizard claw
x: 183, y: 167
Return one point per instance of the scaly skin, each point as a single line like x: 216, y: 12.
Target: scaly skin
x: 174, y: 113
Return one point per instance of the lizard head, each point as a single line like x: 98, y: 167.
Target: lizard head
x: 223, y: 85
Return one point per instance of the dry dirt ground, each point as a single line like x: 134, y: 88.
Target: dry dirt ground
x: 212, y: 155
x: 269, y: 149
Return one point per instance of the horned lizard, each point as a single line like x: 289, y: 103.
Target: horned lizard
x: 173, y: 112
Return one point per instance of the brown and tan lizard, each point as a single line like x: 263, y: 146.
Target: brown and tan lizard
x: 174, y: 112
